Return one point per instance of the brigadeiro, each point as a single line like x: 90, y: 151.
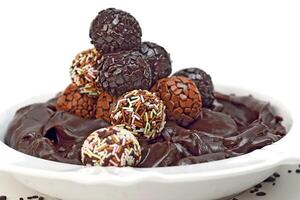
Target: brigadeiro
x: 105, y: 103
x: 158, y: 59
x: 141, y: 112
x: 203, y: 82
x: 72, y: 101
x: 124, y: 71
x: 111, y: 146
x: 181, y: 97
x: 83, y: 72
x: 115, y: 30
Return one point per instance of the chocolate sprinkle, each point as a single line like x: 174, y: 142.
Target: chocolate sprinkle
x: 276, y: 175
x: 260, y: 194
x: 3, y: 197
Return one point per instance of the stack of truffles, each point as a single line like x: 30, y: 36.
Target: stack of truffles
x: 124, y: 109
x: 126, y: 82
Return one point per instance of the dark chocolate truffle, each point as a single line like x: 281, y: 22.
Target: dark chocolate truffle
x: 72, y: 101
x: 111, y: 146
x: 115, y: 30
x: 181, y: 97
x: 124, y: 71
x: 159, y: 60
x: 203, y: 82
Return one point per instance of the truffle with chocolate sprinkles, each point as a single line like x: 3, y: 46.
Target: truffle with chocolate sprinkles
x: 159, y: 60
x: 105, y: 103
x: 123, y: 72
x: 181, y: 97
x: 203, y: 82
x: 111, y: 146
x: 141, y: 112
x: 83, y: 72
x: 72, y: 101
x: 115, y: 30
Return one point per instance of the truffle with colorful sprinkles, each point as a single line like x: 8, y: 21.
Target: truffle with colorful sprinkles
x: 141, y: 112
x: 111, y: 146
x: 84, y: 73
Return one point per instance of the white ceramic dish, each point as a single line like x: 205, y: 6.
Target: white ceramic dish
x: 206, y: 181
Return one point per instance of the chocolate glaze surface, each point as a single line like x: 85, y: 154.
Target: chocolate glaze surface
x: 237, y: 125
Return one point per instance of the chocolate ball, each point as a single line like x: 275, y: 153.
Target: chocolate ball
x: 158, y: 58
x: 111, y: 146
x: 84, y: 73
x: 140, y: 112
x: 105, y: 103
x: 124, y: 71
x: 203, y: 82
x: 181, y: 97
x: 72, y: 101
x: 115, y: 30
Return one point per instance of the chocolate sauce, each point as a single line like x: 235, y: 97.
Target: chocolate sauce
x: 237, y: 125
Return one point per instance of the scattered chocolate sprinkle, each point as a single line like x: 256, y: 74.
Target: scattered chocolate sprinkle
x: 33, y: 197
x: 258, y: 186
x: 260, y: 194
x: 21, y: 198
x: 3, y: 197
x: 289, y: 171
x: 297, y: 171
x: 274, y: 184
x: 276, y: 175
x: 271, y: 179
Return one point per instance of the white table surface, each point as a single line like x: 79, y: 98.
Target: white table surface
x: 287, y: 187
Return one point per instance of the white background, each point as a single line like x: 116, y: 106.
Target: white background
x: 251, y: 44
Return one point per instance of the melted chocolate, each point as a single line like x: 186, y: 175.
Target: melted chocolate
x: 236, y: 126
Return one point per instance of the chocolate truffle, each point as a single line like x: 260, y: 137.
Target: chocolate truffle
x: 124, y: 71
x: 111, y: 146
x: 181, y: 97
x: 115, y: 30
x: 158, y: 59
x: 83, y: 72
x: 203, y: 82
x: 141, y: 112
x: 72, y: 101
x: 104, y: 104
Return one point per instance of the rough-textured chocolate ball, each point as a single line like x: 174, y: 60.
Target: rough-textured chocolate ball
x: 140, y: 112
x: 111, y: 146
x: 181, y: 97
x: 83, y: 72
x: 71, y: 100
x: 203, y: 82
x: 115, y: 30
x: 124, y: 71
x: 105, y: 103
x: 159, y: 60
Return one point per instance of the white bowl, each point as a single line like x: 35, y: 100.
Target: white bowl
x: 206, y: 181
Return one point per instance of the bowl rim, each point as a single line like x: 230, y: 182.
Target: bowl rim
x: 268, y: 157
